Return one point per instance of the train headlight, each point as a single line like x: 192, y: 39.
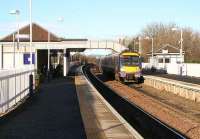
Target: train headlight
x: 138, y: 74
x: 122, y: 74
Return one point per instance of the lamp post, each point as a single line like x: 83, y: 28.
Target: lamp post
x: 48, y: 59
x: 152, y: 49
x: 152, y: 43
x: 134, y: 45
x: 31, y: 32
x: 60, y: 19
x: 16, y: 13
x: 30, y: 43
x: 181, y: 49
x: 140, y: 49
x: 48, y: 66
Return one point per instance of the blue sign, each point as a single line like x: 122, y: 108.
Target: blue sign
x: 27, y: 58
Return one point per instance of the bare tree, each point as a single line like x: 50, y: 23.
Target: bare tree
x: 163, y: 34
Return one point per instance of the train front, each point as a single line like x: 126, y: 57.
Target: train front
x: 130, y: 67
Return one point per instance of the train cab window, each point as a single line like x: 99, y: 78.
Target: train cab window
x: 130, y: 60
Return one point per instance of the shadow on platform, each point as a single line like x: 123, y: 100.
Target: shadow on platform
x: 51, y: 113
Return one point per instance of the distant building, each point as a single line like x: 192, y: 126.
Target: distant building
x: 166, y: 54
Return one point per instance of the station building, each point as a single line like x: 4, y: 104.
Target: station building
x: 166, y: 54
x: 48, y: 50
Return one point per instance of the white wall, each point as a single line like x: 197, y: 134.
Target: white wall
x: 173, y: 58
x: 9, y: 55
x: 192, y: 69
x: 188, y: 69
x: 8, y: 61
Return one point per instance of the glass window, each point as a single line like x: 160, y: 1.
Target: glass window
x: 130, y: 60
x: 160, y: 60
x: 167, y: 60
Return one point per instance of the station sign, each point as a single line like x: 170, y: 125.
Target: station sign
x: 27, y: 58
x: 22, y: 36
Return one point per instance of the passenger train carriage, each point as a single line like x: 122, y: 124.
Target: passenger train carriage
x: 125, y: 66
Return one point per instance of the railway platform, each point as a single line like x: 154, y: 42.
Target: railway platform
x: 101, y: 121
x: 52, y: 113
x: 66, y: 108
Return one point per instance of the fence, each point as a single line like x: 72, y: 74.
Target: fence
x: 188, y: 69
x: 186, y: 90
x: 14, y: 86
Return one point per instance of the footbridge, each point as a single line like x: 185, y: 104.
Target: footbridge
x: 81, y: 45
x: 71, y: 44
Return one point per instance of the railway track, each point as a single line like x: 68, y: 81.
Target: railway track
x: 147, y: 125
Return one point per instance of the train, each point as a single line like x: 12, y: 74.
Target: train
x: 125, y: 66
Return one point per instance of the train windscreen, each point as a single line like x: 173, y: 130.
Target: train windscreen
x: 130, y: 60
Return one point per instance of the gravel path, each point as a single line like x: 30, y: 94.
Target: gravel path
x: 53, y: 113
x: 165, y: 113
x: 185, y: 107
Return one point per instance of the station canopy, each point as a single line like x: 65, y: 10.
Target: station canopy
x: 40, y: 34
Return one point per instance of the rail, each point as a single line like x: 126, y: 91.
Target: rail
x: 147, y: 125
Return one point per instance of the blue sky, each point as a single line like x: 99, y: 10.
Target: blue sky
x: 102, y: 18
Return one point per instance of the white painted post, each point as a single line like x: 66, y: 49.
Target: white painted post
x: 181, y: 53
x: 13, y: 50
x: 164, y: 62
x: 18, y: 45
x: 152, y: 52
x: 31, y: 58
x: 31, y: 33
x: 1, y: 56
x: 48, y: 52
x: 64, y: 63
x: 140, y: 48
x: 17, y: 30
x: 181, y: 49
x: 58, y: 57
x: 36, y: 56
x: 48, y: 64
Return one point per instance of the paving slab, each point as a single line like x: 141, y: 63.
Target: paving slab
x: 99, y: 120
x: 53, y: 113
